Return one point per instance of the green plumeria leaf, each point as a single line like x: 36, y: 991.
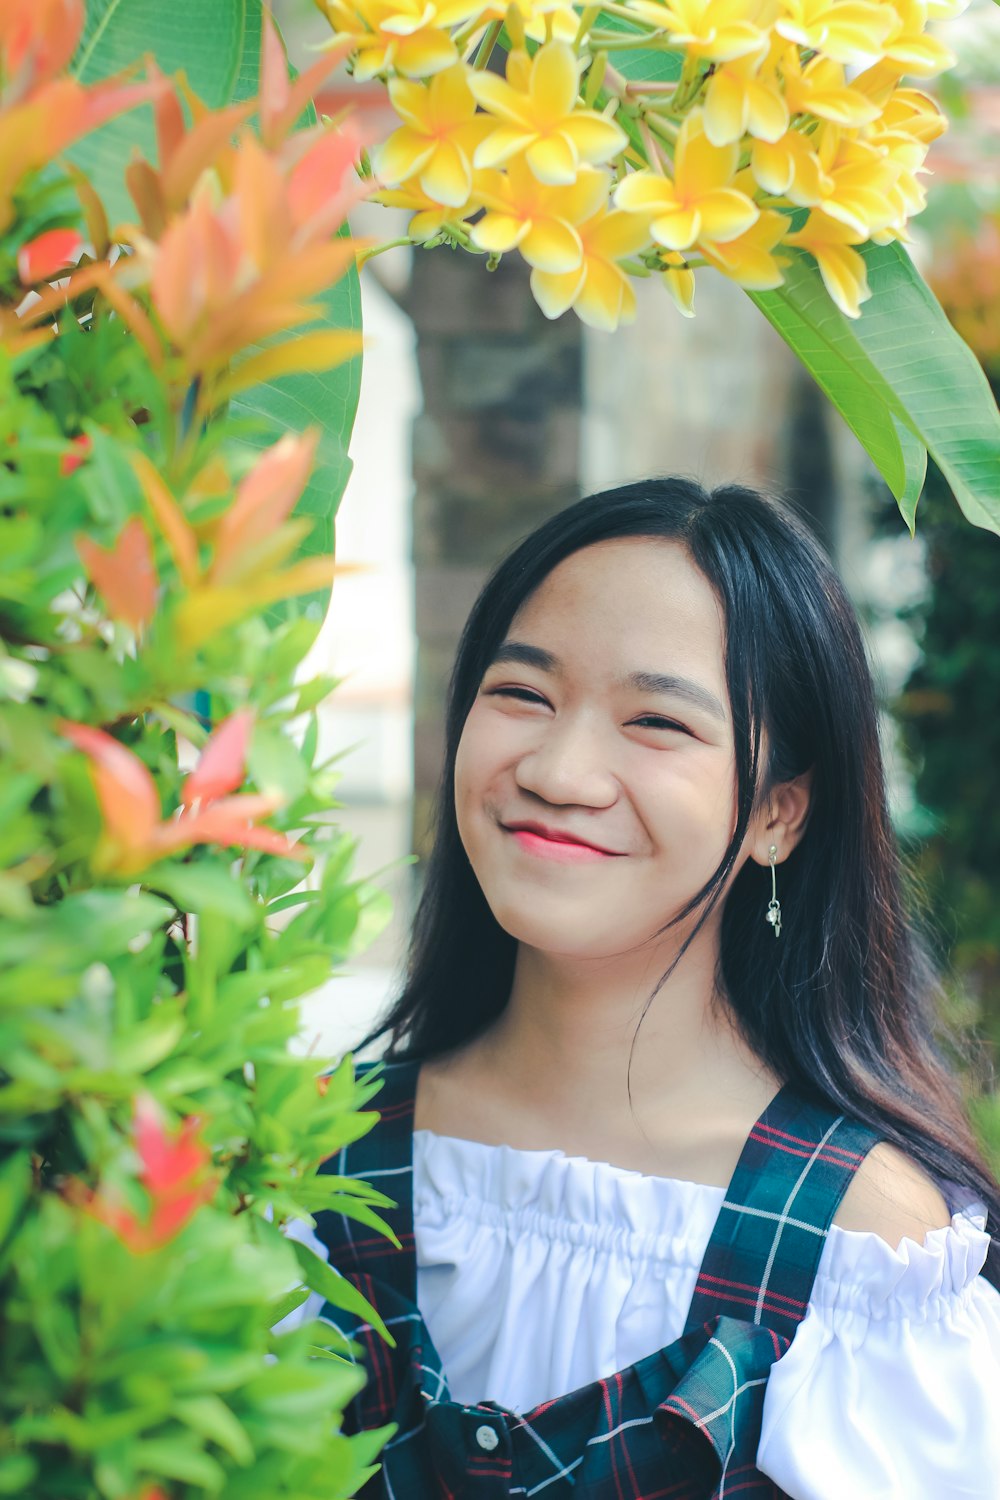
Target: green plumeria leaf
x: 900, y: 376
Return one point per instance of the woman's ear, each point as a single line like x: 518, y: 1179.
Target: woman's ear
x: 782, y: 820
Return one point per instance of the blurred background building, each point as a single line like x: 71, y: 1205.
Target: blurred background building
x: 478, y: 418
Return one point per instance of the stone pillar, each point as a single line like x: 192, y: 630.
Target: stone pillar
x: 495, y: 450
x: 704, y: 397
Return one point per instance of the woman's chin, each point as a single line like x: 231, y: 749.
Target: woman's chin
x: 570, y: 937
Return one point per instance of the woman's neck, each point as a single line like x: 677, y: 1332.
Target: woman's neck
x: 558, y: 1068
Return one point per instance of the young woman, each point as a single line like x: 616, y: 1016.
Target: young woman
x: 687, y: 1204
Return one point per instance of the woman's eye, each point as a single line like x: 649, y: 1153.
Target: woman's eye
x: 515, y: 692
x: 655, y: 721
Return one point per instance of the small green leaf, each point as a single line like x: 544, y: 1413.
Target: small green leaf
x: 15, y: 1185
x: 17, y: 1471
x: 168, y: 1458
x: 321, y: 1277
x: 276, y: 764
x: 204, y: 886
x: 212, y: 1418
x: 282, y: 1306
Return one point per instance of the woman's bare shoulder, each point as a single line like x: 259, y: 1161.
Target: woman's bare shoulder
x: 891, y: 1196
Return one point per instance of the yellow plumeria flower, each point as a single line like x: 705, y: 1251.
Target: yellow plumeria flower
x: 538, y: 116
x: 429, y: 216
x: 543, y: 20
x: 745, y: 97
x: 539, y: 219
x: 599, y: 290
x: 713, y: 30
x: 909, y: 46
x: 843, y: 270
x: 862, y: 179
x: 438, y: 138
x: 700, y: 202
x: 912, y: 113
x: 910, y: 122
x: 879, y: 82
x: 406, y: 36
x: 843, y: 30
x: 821, y: 89
x: 749, y: 259
x: 791, y: 168
x: 678, y: 278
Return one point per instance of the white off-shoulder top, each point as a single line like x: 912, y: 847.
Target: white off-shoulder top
x: 538, y: 1273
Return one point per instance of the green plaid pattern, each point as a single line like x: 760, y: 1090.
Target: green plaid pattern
x: 681, y: 1424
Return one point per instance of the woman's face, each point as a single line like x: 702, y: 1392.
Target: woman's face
x: 604, y: 718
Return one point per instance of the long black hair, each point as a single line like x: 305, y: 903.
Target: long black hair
x: 845, y: 1008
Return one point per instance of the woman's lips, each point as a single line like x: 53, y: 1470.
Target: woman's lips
x: 557, y: 849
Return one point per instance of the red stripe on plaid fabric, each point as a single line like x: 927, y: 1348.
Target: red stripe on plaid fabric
x: 621, y: 1436
x: 743, y: 1286
x: 377, y: 1409
x: 397, y: 1111
x: 448, y: 1493
x: 378, y: 1244
x: 609, y: 1414
x: 839, y: 1150
x: 377, y: 1348
x: 536, y: 1411
x: 780, y: 1345
x: 780, y: 1312
x: 760, y: 1138
x: 675, y: 1403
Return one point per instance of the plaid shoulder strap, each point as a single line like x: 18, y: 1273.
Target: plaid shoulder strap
x: 761, y: 1261
x: 384, y: 1158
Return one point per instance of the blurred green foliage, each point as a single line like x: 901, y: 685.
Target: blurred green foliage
x: 949, y: 713
x: 159, y: 1123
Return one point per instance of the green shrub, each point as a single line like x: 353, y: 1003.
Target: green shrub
x: 170, y: 880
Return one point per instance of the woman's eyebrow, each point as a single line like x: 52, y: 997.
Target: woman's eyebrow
x: 524, y: 655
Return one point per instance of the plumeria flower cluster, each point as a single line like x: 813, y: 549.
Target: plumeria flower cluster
x: 757, y: 126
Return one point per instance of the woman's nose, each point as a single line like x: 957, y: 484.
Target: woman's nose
x: 569, y: 764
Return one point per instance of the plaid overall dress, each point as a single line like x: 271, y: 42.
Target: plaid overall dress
x: 681, y: 1424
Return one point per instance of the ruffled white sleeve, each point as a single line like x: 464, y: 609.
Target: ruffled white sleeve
x: 891, y: 1387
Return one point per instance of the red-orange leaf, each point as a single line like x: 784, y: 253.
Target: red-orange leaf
x: 37, y: 40
x: 264, y: 499
x: 124, y: 575
x: 282, y: 101
x: 210, y: 136
x: 262, y: 202
x: 47, y: 254
x: 169, y: 1163
x: 323, y: 185
x: 173, y: 523
x: 222, y: 764
x: 76, y: 454
x: 129, y: 801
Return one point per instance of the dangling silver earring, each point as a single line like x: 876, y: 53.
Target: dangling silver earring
x: 774, y: 905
